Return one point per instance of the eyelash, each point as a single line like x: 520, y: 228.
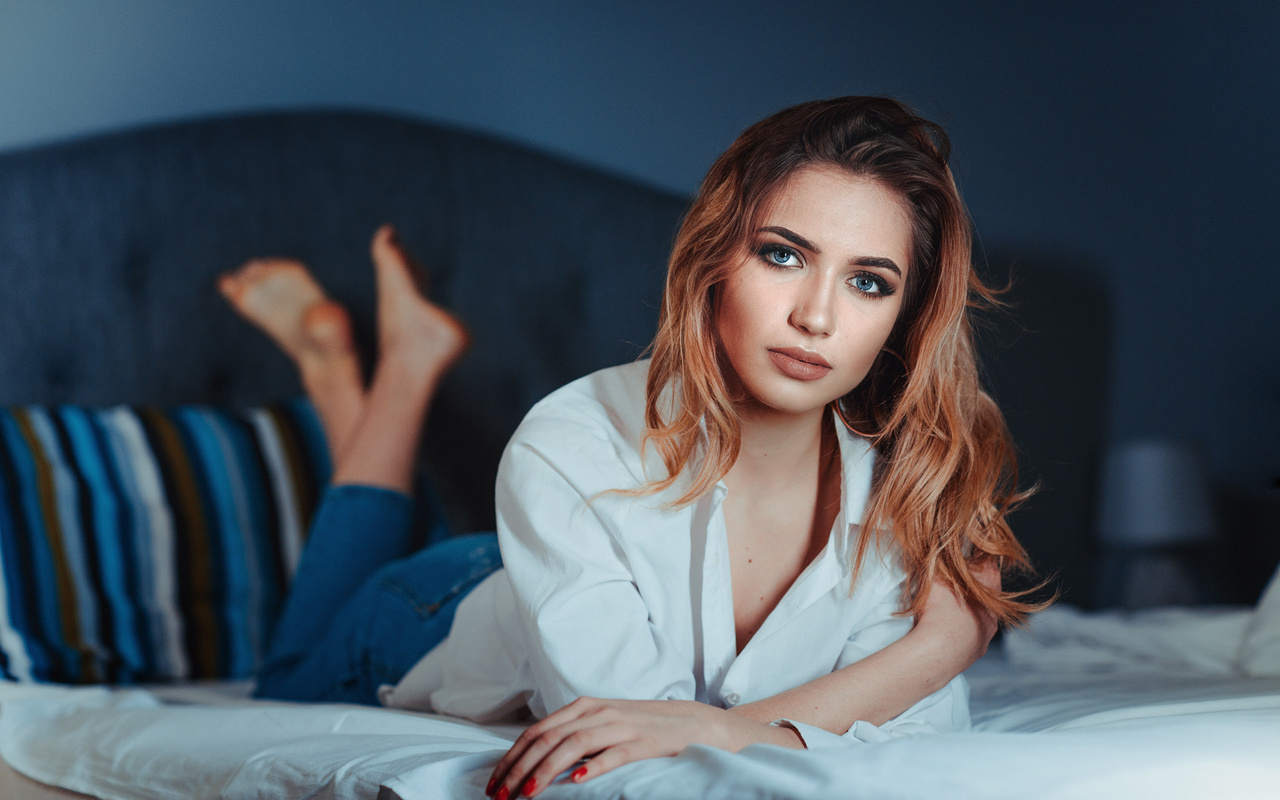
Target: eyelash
x: 772, y: 249
x: 767, y: 251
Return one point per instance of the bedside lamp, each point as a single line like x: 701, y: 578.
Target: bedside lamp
x: 1156, y: 515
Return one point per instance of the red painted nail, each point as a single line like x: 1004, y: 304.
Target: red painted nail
x: 578, y: 774
x: 528, y: 787
x: 488, y: 787
x: 502, y: 794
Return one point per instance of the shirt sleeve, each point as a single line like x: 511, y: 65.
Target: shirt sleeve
x: 945, y: 710
x: 588, y: 627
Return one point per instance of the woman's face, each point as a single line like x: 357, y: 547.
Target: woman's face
x: 803, y: 315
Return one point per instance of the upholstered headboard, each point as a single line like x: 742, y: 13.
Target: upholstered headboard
x: 109, y: 248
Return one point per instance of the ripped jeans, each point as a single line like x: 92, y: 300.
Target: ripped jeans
x: 363, y: 609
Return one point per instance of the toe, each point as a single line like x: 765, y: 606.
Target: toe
x: 230, y: 286
x: 384, y: 242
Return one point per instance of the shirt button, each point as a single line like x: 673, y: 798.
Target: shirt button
x: 733, y: 698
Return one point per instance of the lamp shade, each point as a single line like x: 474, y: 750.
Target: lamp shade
x: 1155, y: 493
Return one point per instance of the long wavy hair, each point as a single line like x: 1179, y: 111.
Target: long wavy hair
x: 946, y: 471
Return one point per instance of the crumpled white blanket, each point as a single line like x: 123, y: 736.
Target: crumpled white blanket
x: 130, y: 744
x: 1134, y: 728
x: 1204, y: 641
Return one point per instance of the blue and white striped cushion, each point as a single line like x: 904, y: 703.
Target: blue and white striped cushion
x: 146, y: 544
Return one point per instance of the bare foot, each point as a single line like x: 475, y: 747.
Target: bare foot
x: 282, y: 299
x: 417, y: 343
x: 412, y: 331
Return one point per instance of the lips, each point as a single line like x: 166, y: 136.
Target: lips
x: 799, y: 364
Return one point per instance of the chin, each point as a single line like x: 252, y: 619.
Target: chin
x: 793, y: 400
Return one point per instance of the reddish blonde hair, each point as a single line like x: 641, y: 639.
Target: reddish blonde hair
x: 946, y: 473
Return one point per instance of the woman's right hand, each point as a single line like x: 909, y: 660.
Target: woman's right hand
x: 602, y: 735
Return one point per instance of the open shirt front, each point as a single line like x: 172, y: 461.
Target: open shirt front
x: 616, y: 596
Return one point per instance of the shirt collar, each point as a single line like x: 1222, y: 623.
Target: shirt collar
x: 857, y: 459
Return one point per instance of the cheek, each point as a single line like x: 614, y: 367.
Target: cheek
x: 866, y: 342
x: 732, y: 315
x: 860, y: 365
x: 720, y: 320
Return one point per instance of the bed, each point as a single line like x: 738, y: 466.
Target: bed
x: 1080, y: 705
x: 142, y: 421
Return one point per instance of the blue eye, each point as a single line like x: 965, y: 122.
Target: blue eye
x: 777, y: 255
x: 870, y: 284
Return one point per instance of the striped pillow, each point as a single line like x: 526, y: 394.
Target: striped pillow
x: 149, y: 544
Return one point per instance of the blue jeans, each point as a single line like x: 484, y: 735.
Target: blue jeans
x: 361, y: 610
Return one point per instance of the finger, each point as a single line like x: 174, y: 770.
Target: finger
x: 609, y: 760
x: 987, y: 572
x: 577, y: 732
x: 562, y: 716
x: 386, y: 245
x: 518, y: 776
x: 615, y: 757
x: 572, y: 749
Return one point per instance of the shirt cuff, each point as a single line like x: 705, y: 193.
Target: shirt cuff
x: 862, y: 732
x: 812, y: 736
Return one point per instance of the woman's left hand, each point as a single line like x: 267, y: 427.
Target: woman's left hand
x: 611, y: 733
x: 964, y: 627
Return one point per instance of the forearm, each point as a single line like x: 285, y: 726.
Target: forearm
x: 741, y: 730
x: 876, y: 689
x: 947, y: 639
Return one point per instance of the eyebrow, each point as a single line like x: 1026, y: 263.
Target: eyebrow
x: 861, y: 261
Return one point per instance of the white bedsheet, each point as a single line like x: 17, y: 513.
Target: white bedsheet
x: 1089, y: 706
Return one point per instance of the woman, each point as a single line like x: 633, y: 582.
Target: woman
x: 725, y: 544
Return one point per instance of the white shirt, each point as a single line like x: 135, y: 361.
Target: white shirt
x: 616, y: 596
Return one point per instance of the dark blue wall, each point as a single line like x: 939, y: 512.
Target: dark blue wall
x: 1132, y: 145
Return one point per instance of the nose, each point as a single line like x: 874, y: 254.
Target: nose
x: 813, y: 309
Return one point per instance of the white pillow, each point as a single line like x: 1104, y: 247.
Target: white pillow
x: 1260, y: 650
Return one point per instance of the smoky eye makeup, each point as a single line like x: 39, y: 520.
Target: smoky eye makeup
x: 778, y: 255
x: 871, y: 285
x: 867, y: 283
